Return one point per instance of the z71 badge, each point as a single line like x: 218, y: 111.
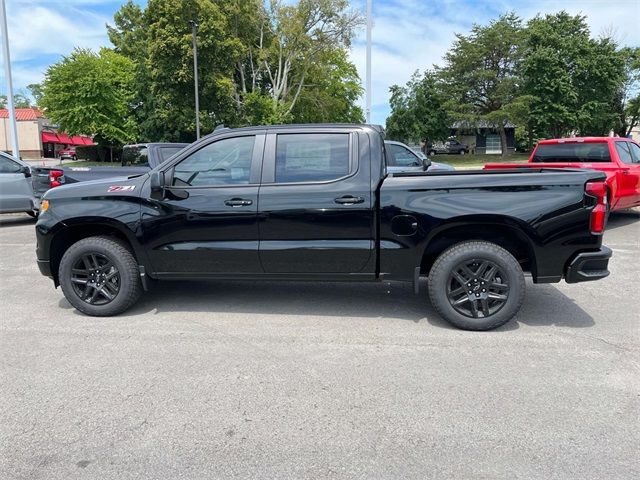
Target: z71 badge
x: 121, y: 188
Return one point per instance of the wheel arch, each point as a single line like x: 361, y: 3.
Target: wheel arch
x: 507, y: 236
x: 76, y: 231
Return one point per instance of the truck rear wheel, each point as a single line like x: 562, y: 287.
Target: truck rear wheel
x: 476, y: 285
x: 99, y: 276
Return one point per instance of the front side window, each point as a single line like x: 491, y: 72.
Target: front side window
x: 402, y: 157
x: 311, y: 157
x: 225, y: 162
x: 623, y: 152
x: 8, y: 166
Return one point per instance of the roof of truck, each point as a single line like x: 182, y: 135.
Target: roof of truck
x: 582, y: 140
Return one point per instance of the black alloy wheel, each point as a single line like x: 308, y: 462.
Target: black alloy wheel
x: 477, y: 288
x: 95, y: 279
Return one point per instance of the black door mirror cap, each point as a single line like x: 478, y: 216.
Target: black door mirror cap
x: 156, y: 181
x: 426, y: 163
x: 26, y: 171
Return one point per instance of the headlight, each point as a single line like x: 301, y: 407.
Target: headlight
x: 44, y: 206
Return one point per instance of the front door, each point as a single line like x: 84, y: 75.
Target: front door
x: 207, y: 223
x: 16, y: 191
x: 315, y: 205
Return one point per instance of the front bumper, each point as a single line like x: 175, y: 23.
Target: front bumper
x: 588, y: 266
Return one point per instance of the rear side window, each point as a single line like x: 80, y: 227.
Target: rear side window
x: 635, y: 152
x: 312, y: 157
x: 167, y: 152
x: 573, y: 152
x: 623, y: 152
x: 135, y: 155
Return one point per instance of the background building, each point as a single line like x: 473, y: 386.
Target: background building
x: 37, y: 136
x: 484, y: 138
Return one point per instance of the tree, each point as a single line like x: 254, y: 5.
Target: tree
x: 91, y: 93
x: 255, y: 63
x: 571, y: 78
x: 481, y: 74
x: 417, y: 111
x: 36, y: 92
x: 19, y: 101
x: 627, y: 97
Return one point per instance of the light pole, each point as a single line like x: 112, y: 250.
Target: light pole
x: 368, y: 74
x: 7, y: 73
x: 194, y: 31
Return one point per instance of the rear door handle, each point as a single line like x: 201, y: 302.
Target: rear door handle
x: 238, y: 202
x: 349, y: 200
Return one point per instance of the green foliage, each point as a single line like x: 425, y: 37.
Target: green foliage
x: 89, y: 93
x: 571, y: 78
x: 627, y: 98
x: 481, y: 75
x: 19, y: 101
x: 417, y: 111
x: 259, y: 63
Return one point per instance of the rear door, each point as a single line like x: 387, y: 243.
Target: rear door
x: 629, y: 176
x: 315, y: 204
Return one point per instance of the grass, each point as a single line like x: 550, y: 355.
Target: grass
x: 465, y: 162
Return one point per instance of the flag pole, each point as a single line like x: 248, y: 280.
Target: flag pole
x: 7, y: 74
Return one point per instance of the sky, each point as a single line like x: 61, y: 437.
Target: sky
x: 408, y: 35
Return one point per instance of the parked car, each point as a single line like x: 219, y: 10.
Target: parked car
x: 451, y: 146
x: 617, y: 158
x: 402, y: 158
x: 315, y: 202
x: 16, y: 187
x: 68, y: 153
x: 136, y: 159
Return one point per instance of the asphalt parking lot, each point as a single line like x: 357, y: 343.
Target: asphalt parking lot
x: 237, y: 380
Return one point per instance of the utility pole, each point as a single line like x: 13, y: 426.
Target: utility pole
x: 368, y: 74
x: 194, y: 31
x: 7, y: 74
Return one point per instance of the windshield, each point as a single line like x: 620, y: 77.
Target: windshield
x: 572, y: 152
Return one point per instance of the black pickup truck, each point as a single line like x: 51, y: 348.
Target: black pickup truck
x: 315, y: 202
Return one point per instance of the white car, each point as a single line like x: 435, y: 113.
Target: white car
x: 16, y: 186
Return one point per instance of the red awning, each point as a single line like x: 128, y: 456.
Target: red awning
x: 63, y: 138
x: 49, y: 137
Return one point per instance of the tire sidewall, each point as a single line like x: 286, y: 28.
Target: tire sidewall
x: 481, y: 251
x: 127, y: 280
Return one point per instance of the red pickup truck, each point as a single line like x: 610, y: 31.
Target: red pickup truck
x: 618, y: 158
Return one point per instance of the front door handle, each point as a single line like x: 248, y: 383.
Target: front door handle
x: 238, y: 202
x: 349, y: 200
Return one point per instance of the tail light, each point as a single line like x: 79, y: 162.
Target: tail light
x: 54, y: 178
x: 599, y: 213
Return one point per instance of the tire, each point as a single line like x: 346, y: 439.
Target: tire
x: 462, y: 152
x: 432, y: 153
x: 109, y: 265
x: 32, y: 213
x: 496, y: 295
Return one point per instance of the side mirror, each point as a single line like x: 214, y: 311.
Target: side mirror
x: 156, y: 181
x: 26, y: 171
x: 426, y: 163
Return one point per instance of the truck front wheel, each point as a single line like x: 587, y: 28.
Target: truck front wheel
x: 99, y: 276
x: 476, y: 285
